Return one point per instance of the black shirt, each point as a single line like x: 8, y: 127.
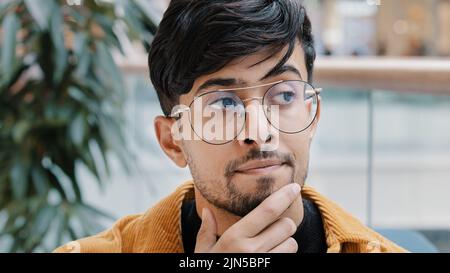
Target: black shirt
x: 310, y: 234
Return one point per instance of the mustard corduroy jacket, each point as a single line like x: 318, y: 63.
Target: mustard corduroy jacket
x: 159, y: 229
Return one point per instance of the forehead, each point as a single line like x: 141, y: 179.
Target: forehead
x: 248, y: 70
x: 264, y: 60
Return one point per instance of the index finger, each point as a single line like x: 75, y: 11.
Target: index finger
x: 269, y: 210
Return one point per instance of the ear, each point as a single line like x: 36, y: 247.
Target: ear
x: 316, y: 120
x: 170, y: 146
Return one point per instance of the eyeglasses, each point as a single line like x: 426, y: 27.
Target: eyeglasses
x: 218, y: 117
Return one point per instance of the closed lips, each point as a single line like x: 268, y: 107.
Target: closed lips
x: 260, y: 164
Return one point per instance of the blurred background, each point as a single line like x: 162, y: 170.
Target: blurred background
x: 77, y: 146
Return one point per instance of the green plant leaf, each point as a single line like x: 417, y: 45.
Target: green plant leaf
x: 41, y: 11
x: 39, y: 226
x: 145, y: 8
x: 102, y: 151
x: 69, y: 111
x: 94, y: 211
x: 57, y: 34
x: 112, y: 78
x: 20, y: 130
x: 4, y: 5
x: 82, y: 53
x: 43, y: 218
x: 39, y: 180
x: 80, y: 44
x: 84, y: 62
x: 61, y: 224
x: 77, y: 129
x: 89, y: 162
x: 11, y: 26
x: 135, y: 26
x: 19, y: 181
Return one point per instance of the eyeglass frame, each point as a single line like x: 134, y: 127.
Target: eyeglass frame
x: 178, y: 112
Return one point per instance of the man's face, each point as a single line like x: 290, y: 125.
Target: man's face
x: 225, y: 174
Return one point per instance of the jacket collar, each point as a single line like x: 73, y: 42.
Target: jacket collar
x: 161, y: 225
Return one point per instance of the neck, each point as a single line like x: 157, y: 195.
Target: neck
x: 225, y: 219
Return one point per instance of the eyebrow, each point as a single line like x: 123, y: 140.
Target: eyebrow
x: 278, y: 70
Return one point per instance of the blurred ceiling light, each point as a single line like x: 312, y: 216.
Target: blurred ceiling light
x: 74, y: 2
x: 357, y: 9
x: 373, y: 2
x: 401, y: 27
x: 332, y: 37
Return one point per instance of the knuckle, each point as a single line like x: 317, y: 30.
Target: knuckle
x: 221, y: 245
x: 256, y: 246
x: 251, y: 247
x: 270, y: 210
x: 232, y: 232
x: 241, y: 246
x: 231, y: 243
x: 230, y: 235
x: 224, y: 244
x: 246, y: 246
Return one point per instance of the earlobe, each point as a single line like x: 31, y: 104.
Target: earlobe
x: 169, y: 144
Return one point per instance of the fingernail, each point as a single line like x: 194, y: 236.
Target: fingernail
x: 295, y: 188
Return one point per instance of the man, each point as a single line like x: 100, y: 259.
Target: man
x: 233, y: 78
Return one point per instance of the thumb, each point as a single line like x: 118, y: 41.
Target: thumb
x: 206, y: 237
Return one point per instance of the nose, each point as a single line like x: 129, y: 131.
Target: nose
x: 257, y: 130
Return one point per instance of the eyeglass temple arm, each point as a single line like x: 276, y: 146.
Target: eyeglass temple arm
x: 315, y: 90
x: 177, y: 113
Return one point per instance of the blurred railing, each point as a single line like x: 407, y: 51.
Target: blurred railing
x: 420, y: 75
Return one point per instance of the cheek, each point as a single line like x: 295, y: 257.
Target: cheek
x: 298, y: 144
x: 208, y: 159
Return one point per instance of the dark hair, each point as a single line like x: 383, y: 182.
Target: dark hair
x: 199, y: 37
